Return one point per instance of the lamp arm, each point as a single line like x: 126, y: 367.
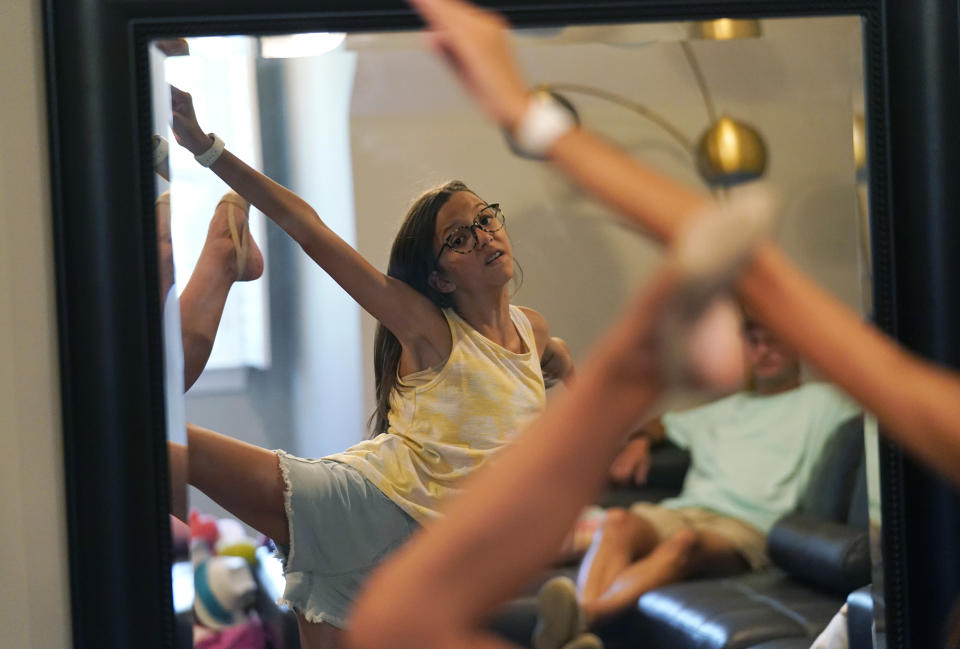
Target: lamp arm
x: 640, y: 109
x: 701, y: 82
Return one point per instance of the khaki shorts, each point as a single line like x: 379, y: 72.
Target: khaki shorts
x: 747, y: 540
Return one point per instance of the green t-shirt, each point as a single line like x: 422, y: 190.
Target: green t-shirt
x: 752, y: 456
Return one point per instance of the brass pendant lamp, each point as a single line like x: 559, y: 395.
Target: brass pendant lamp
x: 725, y: 29
x: 729, y: 151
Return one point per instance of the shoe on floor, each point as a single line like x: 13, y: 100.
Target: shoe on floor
x: 559, y: 618
x: 584, y: 641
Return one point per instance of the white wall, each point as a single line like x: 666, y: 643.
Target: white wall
x: 34, y: 598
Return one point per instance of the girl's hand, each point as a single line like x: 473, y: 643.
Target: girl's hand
x: 475, y: 43
x: 186, y: 129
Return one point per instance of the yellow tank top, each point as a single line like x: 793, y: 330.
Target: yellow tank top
x: 447, y: 420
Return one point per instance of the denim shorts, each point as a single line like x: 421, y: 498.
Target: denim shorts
x: 341, y: 527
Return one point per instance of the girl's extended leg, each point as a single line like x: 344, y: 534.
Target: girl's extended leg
x: 228, y: 244
x: 229, y: 255
x: 918, y: 408
x: 242, y: 478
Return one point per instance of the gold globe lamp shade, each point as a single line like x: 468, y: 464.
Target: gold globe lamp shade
x: 730, y: 152
x: 725, y: 29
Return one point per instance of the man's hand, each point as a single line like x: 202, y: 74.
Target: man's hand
x: 632, y: 464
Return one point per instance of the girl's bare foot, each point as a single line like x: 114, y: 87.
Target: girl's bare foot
x: 700, y: 326
x: 714, y: 349
x: 228, y: 238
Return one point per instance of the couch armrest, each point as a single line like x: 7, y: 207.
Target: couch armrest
x: 828, y: 555
x: 860, y: 618
x: 668, y: 466
x: 668, y: 469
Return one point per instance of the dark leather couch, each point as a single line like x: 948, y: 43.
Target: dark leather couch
x: 820, y: 555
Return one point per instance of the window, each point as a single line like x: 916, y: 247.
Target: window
x: 221, y: 72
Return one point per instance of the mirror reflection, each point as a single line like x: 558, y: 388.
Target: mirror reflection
x: 359, y: 126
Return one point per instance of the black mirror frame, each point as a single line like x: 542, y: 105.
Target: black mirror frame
x: 110, y: 338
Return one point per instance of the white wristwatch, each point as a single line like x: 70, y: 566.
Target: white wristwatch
x: 212, y: 154
x: 545, y: 121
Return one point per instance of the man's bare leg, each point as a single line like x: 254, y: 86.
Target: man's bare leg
x: 686, y: 553
x: 622, y: 538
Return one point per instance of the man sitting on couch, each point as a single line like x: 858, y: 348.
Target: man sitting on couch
x: 752, y: 456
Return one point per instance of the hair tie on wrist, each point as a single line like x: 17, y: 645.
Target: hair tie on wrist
x: 544, y: 122
x: 212, y: 154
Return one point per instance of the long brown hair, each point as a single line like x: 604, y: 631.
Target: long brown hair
x: 411, y: 261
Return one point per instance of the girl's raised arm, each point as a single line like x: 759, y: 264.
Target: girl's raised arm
x: 414, y: 320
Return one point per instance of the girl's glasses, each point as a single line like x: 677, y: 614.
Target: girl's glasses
x: 464, y: 239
